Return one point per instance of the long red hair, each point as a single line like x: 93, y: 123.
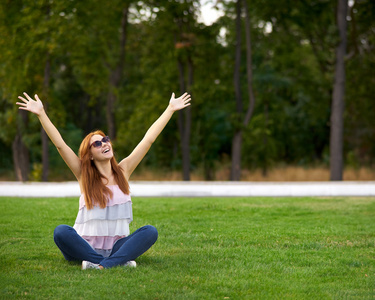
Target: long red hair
x: 94, y: 190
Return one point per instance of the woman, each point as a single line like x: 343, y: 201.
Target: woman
x: 100, y: 236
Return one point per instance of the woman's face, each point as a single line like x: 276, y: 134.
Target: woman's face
x: 102, y: 152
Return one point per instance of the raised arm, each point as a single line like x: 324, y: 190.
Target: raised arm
x: 129, y: 163
x: 36, y: 107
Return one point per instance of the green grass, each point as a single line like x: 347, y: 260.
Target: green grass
x: 208, y: 248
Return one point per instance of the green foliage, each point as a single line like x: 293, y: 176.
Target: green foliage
x: 289, y: 248
x: 36, y: 172
x: 293, y: 46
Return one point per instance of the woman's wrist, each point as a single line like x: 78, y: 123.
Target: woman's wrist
x: 170, y: 108
x: 42, y: 113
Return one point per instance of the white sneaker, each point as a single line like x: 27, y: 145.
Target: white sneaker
x: 89, y: 265
x: 130, y: 263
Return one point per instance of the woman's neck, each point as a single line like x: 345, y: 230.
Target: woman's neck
x: 105, y: 169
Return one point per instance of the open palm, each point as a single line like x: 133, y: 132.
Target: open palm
x: 31, y: 105
x: 180, y: 102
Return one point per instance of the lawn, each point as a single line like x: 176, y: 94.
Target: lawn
x: 208, y: 248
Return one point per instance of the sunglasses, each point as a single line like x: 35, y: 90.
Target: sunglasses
x: 97, y: 144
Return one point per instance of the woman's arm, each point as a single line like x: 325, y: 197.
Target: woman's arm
x: 68, y: 155
x: 131, y: 162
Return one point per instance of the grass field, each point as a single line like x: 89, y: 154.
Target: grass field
x: 208, y: 248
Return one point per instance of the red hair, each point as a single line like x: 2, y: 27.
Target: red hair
x: 94, y: 190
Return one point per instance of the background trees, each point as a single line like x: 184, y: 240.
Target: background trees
x: 338, y: 95
x: 113, y: 65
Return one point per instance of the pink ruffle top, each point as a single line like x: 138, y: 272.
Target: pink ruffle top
x: 102, y: 227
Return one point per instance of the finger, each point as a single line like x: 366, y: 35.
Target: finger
x: 37, y: 97
x: 181, y: 97
x: 21, y: 104
x: 27, y: 96
x: 23, y: 99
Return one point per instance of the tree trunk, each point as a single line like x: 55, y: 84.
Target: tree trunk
x: 45, y: 155
x: 337, y: 110
x: 265, y: 140
x: 21, y: 159
x: 236, y: 156
x: 110, y: 114
x: 208, y: 169
x: 249, y: 66
x: 44, y: 137
x: 237, y: 137
x: 187, y: 131
x: 116, y: 75
x: 186, y: 145
x: 184, y: 123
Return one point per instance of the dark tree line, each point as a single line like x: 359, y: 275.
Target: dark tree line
x: 272, y: 81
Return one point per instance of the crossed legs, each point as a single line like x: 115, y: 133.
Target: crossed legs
x: 74, y: 247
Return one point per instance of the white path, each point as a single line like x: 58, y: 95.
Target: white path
x: 199, y: 189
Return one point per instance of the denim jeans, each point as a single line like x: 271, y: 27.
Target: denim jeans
x: 74, y: 247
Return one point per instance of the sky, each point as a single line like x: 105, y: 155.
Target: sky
x: 208, y: 13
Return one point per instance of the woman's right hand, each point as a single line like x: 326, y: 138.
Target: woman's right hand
x: 34, y: 106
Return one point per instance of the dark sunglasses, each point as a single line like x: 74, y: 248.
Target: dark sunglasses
x: 97, y: 144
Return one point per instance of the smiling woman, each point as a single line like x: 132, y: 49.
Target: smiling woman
x: 99, y: 169
x: 100, y: 236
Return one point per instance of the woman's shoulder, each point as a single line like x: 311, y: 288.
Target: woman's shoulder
x: 123, y: 164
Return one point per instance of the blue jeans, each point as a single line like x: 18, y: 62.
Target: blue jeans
x: 74, y: 247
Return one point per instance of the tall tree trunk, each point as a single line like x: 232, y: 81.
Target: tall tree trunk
x: 249, y: 66
x: 44, y: 137
x: 110, y: 113
x: 116, y: 75
x: 21, y: 159
x: 265, y: 140
x: 184, y: 120
x: 187, y: 133
x: 185, y: 144
x: 237, y: 138
x: 236, y: 156
x: 43, y: 134
x: 337, y: 110
x: 235, y: 174
x: 45, y: 155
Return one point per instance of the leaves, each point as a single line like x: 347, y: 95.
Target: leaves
x: 292, y: 66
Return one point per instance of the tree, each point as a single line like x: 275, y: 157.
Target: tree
x: 116, y: 72
x: 359, y: 126
x: 11, y: 66
x: 99, y: 53
x: 184, y: 41
x: 337, y: 111
x: 237, y: 138
x: 18, y: 18
x: 125, y: 57
x: 21, y: 153
x: 169, y: 47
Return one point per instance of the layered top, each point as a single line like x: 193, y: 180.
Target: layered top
x: 102, y: 227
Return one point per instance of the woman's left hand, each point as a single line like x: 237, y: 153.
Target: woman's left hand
x: 180, y: 102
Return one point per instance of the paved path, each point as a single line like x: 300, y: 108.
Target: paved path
x: 200, y: 189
